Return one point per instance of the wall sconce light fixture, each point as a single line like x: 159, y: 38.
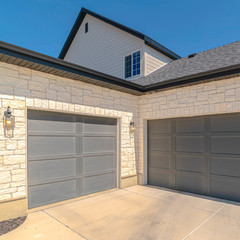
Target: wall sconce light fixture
x: 8, y: 118
x: 132, y: 126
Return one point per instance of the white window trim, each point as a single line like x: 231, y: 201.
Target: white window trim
x: 136, y: 76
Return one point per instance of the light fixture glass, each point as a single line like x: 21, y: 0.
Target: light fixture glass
x: 8, y: 119
x: 132, y: 126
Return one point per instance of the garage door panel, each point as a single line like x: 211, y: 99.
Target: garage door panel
x: 191, y: 144
x: 99, y: 144
x: 225, y: 144
x: 98, y: 183
x: 161, y: 143
x: 159, y: 160
x: 190, y: 182
x: 50, y: 146
x: 226, y: 166
x: 95, y: 164
x: 225, y: 187
x: 221, y: 124
x: 96, y: 125
x: 159, y: 177
x: 163, y: 127
x: 54, y: 122
x: 189, y: 125
x: 52, y: 169
x: 191, y: 163
x: 52, y: 192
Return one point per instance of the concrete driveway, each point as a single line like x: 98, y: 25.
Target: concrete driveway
x: 139, y: 212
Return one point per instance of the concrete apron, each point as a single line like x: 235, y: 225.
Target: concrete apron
x: 139, y: 212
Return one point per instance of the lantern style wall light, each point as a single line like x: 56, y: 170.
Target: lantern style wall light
x: 132, y: 126
x: 8, y: 118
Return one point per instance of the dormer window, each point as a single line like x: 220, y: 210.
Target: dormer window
x: 132, y: 65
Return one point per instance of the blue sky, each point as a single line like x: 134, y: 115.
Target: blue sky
x: 184, y: 27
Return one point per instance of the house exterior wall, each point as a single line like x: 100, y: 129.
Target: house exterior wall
x: 22, y: 89
x: 103, y: 48
x: 215, y: 97
x: 154, y: 60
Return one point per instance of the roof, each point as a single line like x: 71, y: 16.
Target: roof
x: 209, y: 65
x: 212, y: 60
x: 148, y: 41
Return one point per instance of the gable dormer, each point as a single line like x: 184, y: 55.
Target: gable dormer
x: 106, y: 46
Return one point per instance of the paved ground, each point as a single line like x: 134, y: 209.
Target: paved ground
x: 139, y: 212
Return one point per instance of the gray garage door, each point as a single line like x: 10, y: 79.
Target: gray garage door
x: 199, y: 155
x: 69, y: 156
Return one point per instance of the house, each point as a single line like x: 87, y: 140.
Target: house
x: 93, y: 119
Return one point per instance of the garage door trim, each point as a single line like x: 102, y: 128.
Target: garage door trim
x: 117, y: 169
x: 214, y: 125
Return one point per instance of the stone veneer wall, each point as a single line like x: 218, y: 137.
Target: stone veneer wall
x: 215, y: 97
x: 22, y: 88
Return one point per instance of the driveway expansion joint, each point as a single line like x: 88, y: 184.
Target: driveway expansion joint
x: 207, y: 220
x: 64, y: 224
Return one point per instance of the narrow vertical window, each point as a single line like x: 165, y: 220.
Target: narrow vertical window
x: 128, y: 66
x: 132, y: 65
x: 136, y: 63
x: 86, y: 27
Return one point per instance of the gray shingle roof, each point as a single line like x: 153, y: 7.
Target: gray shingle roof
x: 216, y: 58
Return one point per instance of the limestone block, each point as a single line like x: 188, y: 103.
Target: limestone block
x: 7, y: 190
x: 29, y: 102
x: 8, y: 72
x: 37, y: 86
x: 63, y: 96
x: 5, y: 177
x: 13, y: 103
x: 52, y: 104
x: 51, y: 94
x: 19, y: 113
x: 39, y: 79
x: 17, y: 184
x: 5, y: 197
x: 18, y: 177
x: 19, y: 194
x: 13, y: 159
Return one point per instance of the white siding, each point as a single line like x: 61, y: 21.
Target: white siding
x: 103, y: 48
x: 154, y: 60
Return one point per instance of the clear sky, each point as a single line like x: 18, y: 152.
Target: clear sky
x: 183, y: 26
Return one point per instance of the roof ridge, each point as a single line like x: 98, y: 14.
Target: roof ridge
x: 215, y: 48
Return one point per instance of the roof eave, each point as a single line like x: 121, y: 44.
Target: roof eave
x: 205, y: 76
x: 157, y: 46
x: 72, y: 34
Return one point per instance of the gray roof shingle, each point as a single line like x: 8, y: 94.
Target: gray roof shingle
x: 216, y: 58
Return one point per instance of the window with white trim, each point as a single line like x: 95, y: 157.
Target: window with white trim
x: 132, y: 65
